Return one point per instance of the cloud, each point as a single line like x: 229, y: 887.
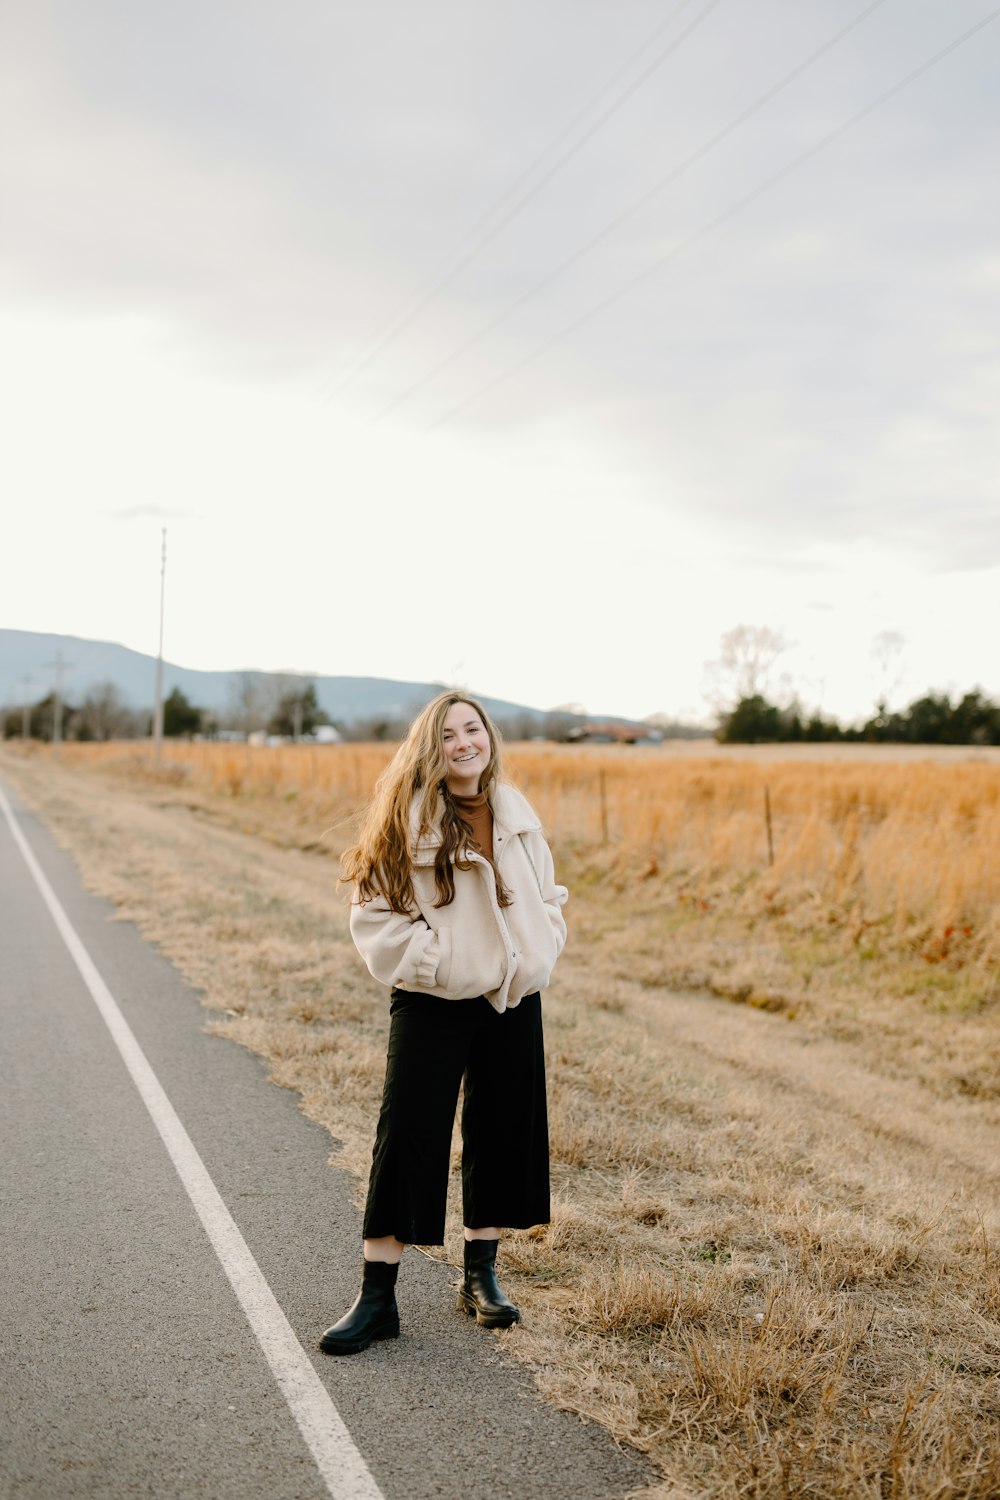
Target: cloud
x: 817, y: 378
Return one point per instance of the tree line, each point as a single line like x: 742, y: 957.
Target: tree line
x: 103, y: 714
x: 293, y: 712
x: 933, y: 719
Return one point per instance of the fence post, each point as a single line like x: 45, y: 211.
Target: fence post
x: 767, y: 821
x: 604, y: 805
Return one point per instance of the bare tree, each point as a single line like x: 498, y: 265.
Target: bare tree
x: 747, y: 655
x: 104, y: 715
x: 523, y: 726
x: 887, y: 662
x: 558, y: 722
x: 254, y: 698
x: 243, y: 711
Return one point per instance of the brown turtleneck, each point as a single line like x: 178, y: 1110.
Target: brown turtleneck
x: 478, y: 814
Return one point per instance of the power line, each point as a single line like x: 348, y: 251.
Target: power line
x: 582, y: 114
x: 633, y: 208
x: 480, y: 236
x: 717, y: 222
x: 486, y: 231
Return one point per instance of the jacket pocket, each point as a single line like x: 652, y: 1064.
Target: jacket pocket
x: 534, y: 971
x: 468, y: 967
x: 537, y: 947
x: 442, y: 978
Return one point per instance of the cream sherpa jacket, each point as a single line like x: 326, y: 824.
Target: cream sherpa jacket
x: 473, y: 946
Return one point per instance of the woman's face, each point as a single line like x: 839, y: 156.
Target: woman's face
x: 466, y: 748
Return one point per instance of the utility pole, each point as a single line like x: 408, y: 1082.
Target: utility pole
x: 60, y: 666
x: 25, y: 708
x: 158, y: 698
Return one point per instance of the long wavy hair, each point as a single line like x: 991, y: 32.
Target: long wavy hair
x: 380, y: 864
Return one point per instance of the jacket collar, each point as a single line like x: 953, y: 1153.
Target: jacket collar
x: 512, y: 815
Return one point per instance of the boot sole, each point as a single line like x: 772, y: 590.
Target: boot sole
x: 356, y: 1346
x: 498, y: 1320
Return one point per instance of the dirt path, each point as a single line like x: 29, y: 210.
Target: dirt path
x: 765, y: 1064
x: 726, y: 1179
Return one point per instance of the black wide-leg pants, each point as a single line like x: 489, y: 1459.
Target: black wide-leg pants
x: 434, y: 1046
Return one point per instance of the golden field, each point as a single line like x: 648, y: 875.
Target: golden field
x: 773, y: 1262
x: 902, y: 847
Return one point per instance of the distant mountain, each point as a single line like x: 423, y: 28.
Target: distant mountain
x: 32, y: 655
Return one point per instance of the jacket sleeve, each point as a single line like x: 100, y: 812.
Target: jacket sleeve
x: 554, y: 896
x: 398, y: 949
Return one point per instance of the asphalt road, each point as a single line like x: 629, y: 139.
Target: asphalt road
x: 130, y: 1365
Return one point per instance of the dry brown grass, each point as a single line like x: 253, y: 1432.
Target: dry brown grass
x: 773, y: 1259
x: 885, y: 873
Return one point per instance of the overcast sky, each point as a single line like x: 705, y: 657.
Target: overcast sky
x: 705, y: 358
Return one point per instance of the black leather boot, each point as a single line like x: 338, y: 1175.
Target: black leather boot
x: 374, y: 1314
x: 480, y: 1294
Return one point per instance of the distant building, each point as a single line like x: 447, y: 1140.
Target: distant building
x: 613, y: 734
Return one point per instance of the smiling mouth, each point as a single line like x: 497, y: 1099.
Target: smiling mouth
x: 460, y: 758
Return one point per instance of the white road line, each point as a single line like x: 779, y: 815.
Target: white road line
x: 344, y: 1471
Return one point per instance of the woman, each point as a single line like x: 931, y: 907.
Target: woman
x: 456, y: 909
